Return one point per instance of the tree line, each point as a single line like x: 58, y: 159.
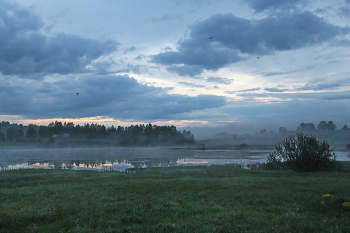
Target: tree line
x: 131, y: 135
x: 322, y: 127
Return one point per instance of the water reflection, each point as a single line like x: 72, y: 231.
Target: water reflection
x: 121, y: 159
x: 118, y: 166
x: 192, y: 161
x: 111, y: 166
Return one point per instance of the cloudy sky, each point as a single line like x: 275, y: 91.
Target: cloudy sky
x: 228, y: 64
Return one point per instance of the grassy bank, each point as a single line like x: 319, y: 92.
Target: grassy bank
x: 176, y: 199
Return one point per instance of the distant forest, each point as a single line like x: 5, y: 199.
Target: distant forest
x: 310, y: 128
x: 140, y: 135
x: 324, y: 129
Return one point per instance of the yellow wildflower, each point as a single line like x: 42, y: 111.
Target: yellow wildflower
x: 346, y: 204
x: 327, y: 195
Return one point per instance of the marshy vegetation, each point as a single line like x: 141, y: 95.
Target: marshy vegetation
x: 175, y: 199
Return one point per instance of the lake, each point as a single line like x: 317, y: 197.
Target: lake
x: 120, y: 159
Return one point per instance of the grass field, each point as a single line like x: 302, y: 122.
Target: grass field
x: 174, y: 199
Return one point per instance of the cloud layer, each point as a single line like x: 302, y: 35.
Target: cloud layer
x: 119, y: 97
x: 26, y: 50
x: 260, y: 6
x: 235, y: 39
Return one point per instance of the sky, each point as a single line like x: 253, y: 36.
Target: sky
x: 203, y: 65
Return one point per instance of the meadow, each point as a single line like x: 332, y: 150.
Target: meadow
x: 174, y: 199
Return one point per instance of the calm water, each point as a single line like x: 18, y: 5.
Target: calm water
x: 120, y: 159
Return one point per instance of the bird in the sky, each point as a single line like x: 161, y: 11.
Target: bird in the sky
x: 211, y: 38
x: 257, y: 57
x: 77, y: 94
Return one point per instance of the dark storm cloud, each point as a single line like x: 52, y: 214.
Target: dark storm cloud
x: 25, y: 50
x: 219, y: 80
x: 103, y: 67
x: 273, y: 89
x: 184, y: 70
x: 252, y: 89
x: 344, y: 11
x: 267, y: 74
x: 245, y: 90
x: 316, y: 96
x: 139, y: 58
x: 325, y: 85
x: 120, y: 97
x: 338, y: 96
x: 130, y: 50
x: 320, y: 86
x: 259, y: 5
x: 235, y: 38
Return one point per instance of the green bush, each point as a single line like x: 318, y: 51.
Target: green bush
x: 302, y: 153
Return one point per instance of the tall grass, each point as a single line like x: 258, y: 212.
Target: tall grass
x: 175, y: 199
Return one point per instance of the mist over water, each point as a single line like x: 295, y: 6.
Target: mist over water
x: 120, y: 159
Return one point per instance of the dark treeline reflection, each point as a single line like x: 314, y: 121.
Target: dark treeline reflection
x: 143, y: 135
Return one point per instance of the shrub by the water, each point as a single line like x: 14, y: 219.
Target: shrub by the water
x: 302, y: 153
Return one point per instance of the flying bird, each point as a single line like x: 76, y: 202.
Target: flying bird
x: 211, y: 38
x: 77, y: 94
x: 257, y: 57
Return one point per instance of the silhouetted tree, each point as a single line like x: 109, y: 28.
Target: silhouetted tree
x: 149, y: 130
x: 282, y: 130
x: 111, y: 130
x: 102, y: 131
x: 263, y: 132
x: 133, y: 135
x: 331, y: 125
x: 20, y: 133
x: 4, y: 125
x: 11, y: 133
x: 43, y: 131
x: 56, y: 128
x: 324, y: 126
x: 345, y: 128
x: 31, y: 132
x: 302, y: 153
x: 120, y: 130
x: 68, y: 128
x: 2, y: 136
x: 76, y: 130
x: 308, y: 127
